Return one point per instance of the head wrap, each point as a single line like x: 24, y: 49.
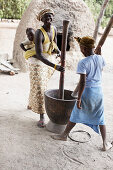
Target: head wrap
x: 43, y: 12
x: 86, y: 41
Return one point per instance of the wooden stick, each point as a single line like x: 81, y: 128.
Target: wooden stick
x: 103, y: 7
x: 106, y: 32
x: 63, y: 54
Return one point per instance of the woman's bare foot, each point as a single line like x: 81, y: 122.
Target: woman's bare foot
x: 28, y: 107
x: 107, y: 146
x: 41, y: 124
x: 59, y: 137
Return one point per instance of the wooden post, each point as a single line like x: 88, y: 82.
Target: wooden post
x: 63, y: 54
x: 106, y: 32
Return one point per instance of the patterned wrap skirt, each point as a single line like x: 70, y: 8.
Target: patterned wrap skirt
x: 40, y: 74
x: 92, y: 112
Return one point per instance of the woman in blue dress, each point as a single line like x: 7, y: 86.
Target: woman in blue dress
x: 89, y: 108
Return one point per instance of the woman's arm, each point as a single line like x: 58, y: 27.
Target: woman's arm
x: 81, y: 87
x: 39, y: 39
x: 74, y: 94
x: 98, y: 50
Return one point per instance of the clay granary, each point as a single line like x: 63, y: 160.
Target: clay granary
x: 81, y: 24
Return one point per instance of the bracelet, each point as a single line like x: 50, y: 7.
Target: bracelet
x: 55, y: 66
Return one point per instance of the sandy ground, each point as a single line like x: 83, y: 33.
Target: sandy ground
x: 24, y: 146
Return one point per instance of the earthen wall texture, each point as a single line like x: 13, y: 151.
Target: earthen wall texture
x: 76, y: 11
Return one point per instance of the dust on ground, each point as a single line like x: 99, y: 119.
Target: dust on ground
x: 24, y: 146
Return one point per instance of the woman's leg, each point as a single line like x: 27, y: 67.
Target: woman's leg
x: 106, y: 145
x: 103, y: 133
x: 64, y: 135
x: 41, y: 122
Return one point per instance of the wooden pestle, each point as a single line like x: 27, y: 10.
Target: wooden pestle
x: 63, y: 54
x: 105, y: 34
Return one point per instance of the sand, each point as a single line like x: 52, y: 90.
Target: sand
x: 24, y: 146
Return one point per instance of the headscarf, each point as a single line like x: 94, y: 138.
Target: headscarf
x: 43, y: 12
x: 86, y: 41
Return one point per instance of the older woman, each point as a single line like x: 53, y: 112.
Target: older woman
x: 89, y: 108
x: 40, y: 72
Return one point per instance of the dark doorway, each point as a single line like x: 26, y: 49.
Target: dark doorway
x: 59, y: 41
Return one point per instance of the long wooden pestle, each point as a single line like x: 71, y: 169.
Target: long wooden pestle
x: 63, y: 55
x: 105, y: 34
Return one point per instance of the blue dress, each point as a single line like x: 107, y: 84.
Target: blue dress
x: 92, y: 112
